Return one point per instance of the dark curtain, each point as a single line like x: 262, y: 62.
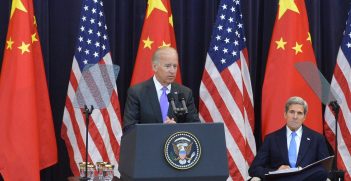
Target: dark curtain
x: 193, y: 20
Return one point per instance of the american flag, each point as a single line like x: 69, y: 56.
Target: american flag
x: 105, y: 124
x: 341, y: 83
x: 225, y: 90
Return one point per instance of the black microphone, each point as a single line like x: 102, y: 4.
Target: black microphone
x: 170, y: 97
x: 181, y: 98
x: 335, y: 106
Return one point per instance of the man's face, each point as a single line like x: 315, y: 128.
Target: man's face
x: 295, y: 116
x: 166, y: 69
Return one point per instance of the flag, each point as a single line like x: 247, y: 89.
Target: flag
x: 157, y: 32
x: 225, y: 90
x: 341, y: 84
x: 27, y: 135
x: 105, y: 131
x: 291, y: 43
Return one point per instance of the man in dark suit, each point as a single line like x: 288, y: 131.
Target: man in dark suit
x: 294, y: 145
x: 143, y: 103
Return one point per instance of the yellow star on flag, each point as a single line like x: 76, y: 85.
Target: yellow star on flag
x: 164, y: 44
x: 24, y: 47
x: 34, y: 38
x: 285, y: 5
x: 9, y: 44
x: 155, y: 4
x: 170, y: 20
x: 281, y: 43
x: 34, y: 21
x: 297, y: 48
x: 309, y: 37
x: 147, y: 43
x: 17, y: 4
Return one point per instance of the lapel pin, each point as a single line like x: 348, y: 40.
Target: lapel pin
x: 308, y: 139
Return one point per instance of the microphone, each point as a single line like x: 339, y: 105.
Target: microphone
x: 335, y: 106
x: 170, y: 97
x: 181, y: 98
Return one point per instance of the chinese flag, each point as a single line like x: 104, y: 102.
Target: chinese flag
x: 291, y: 43
x: 27, y: 137
x: 157, y: 32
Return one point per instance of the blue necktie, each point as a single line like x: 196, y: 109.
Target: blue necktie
x: 292, y: 151
x: 164, y: 103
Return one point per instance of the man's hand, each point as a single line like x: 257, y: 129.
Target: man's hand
x: 255, y: 179
x: 169, y: 121
x: 283, y: 167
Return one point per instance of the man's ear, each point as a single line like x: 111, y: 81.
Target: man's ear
x: 285, y: 114
x: 154, y: 67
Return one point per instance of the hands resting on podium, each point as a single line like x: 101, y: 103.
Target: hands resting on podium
x: 169, y: 121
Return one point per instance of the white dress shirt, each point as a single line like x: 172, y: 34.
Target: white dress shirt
x: 159, y: 87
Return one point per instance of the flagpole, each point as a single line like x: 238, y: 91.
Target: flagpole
x: 87, y: 112
x: 336, y: 173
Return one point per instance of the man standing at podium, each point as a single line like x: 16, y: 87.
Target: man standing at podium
x: 294, y: 145
x: 147, y: 101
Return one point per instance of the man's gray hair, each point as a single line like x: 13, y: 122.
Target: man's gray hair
x: 296, y: 100
x: 157, y: 54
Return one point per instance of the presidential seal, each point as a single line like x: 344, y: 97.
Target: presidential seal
x: 182, y: 150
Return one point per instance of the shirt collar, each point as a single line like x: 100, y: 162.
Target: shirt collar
x: 298, y: 132
x: 159, y: 86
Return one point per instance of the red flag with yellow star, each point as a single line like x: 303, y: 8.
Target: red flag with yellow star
x: 157, y: 32
x: 27, y: 137
x: 291, y: 43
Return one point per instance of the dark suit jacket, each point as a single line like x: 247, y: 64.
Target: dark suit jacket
x: 274, y: 151
x: 142, y: 105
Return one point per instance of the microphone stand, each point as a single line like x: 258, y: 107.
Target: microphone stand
x: 87, y: 112
x: 181, y: 98
x: 336, y: 173
x: 183, y: 110
x: 178, y: 112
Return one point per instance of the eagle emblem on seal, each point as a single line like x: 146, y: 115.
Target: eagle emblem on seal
x: 182, y: 150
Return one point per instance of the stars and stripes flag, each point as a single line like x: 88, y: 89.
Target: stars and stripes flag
x: 341, y: 84
x: 225, y: 90
x: 92, y: 47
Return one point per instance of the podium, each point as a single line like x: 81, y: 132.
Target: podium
x: 143, y: 153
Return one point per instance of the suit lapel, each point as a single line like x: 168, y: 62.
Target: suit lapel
x: 304, y: 145
x: 153, y: 99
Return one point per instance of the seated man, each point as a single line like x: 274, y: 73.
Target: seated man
x: 147, y: 101
x: 294, y: 145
